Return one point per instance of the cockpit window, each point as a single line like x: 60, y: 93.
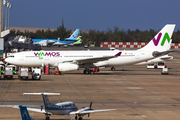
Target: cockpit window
x: 11, y: 56
x: 67, y: 105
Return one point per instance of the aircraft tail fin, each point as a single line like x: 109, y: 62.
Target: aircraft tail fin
x: 79, y: 41
x: 45, y: 97
x: 79, y: 38
x: 74, y: 35
x: 24, y: 113
x: 58, y: 39
x: 162, y: 41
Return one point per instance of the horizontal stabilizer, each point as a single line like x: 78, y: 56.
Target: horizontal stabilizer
x: 158, y: 54
x: 41, y: 93
x: 167, y: 58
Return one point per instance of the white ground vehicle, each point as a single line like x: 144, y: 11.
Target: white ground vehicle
x: 36, y: 74
x: 161, y: 65
x: 23, y: 73
x: 164, y: 71
x: 8, y: 72
x: 157, y: 65
x: 2, y: 69
x: 150, y: 66
x: 14, y: 68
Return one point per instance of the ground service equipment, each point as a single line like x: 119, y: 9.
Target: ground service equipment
x: 36, y: 74
x: 23, y: 73
x: 2, y: 69
x: 8, y: 72
x: 164, y: 71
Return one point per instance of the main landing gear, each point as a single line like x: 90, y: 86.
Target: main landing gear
x: 47, y: 117
x: 113, y: 69
x: 91, y: 71
x: 76, y: 118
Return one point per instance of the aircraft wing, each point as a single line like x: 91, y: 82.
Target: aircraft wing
x: 90, y: 111
x: 94, y: 60
x: 35, y: 110
x: 50, y: 43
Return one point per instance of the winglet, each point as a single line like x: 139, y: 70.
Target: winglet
x: 118, y: 54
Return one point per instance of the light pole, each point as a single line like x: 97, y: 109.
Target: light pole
x: 5, y: 21
x: 10, y: 6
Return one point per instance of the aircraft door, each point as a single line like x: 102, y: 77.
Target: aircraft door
x: 47, y: 58
x: 137, y: 56
x: 21, y: 57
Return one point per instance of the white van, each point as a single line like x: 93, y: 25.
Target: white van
x: 36, y: 74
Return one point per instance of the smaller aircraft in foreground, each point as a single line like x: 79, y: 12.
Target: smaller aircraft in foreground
x: 63, y: 108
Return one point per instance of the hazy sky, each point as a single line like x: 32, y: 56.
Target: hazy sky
x: 95, y: 14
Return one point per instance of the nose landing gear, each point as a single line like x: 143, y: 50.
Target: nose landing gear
x: 47, y: 117
x: 76, y: 118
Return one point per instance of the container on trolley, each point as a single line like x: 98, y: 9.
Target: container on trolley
x: 8, y: 73
x: 23, y: 73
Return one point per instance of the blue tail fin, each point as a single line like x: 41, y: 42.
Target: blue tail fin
x: 74, y: 36
x: 24, y: 113
x: 46, y: 101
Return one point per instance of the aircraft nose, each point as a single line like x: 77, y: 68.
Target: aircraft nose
x: 7, y: 60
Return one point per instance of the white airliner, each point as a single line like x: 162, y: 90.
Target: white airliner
x: 63, y: 108
x: 73, y: 60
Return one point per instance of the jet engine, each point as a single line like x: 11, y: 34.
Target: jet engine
x: 67, y: 67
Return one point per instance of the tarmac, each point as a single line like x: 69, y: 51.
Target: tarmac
x: 136, y: 92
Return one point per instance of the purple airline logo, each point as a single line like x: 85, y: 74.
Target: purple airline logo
x: 158, y: 38
x: 166, y: 37
x: 47, y: 54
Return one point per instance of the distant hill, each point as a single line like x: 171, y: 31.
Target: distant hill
x: 30, y: 29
